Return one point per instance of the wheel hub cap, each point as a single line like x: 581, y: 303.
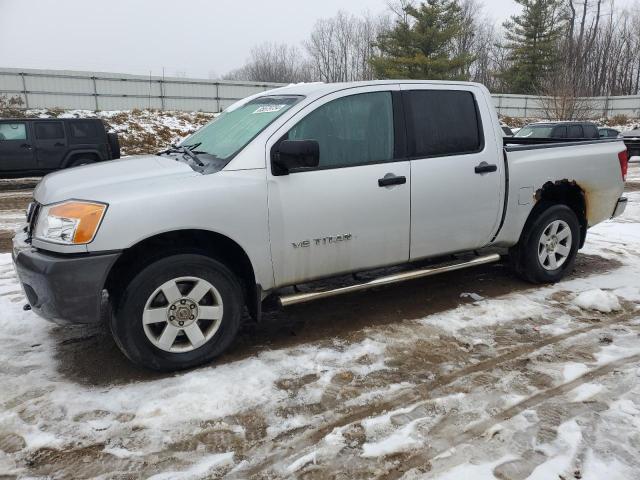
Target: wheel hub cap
x: 183, y: 313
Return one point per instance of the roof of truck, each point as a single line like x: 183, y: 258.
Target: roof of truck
x: 315, y: 90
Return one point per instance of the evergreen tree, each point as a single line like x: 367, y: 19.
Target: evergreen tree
x: 532, y: 44
x: 420, y: 45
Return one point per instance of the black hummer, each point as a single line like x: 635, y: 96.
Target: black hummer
x: 36, y: 146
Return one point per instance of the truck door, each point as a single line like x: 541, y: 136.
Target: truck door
x: 16, y: 149
x: 457, y: 169
x: 51, y: 144
x: 353, y: 211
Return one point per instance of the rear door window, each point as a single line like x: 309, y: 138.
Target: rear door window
x: 442, y: 123
x: 575, y: 131
x: 13, y: 131
x: 49, y: 130
x: 559, y: 132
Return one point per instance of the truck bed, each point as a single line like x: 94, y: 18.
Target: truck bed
x: 515, y: 143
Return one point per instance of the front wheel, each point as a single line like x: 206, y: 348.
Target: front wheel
x: 548, y: 246
x: 178, y: 312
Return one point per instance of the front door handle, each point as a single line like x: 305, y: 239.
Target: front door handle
x: 58, y: 144
x: 484, y: 167
x: 391, y: 180
x: 26, y: 145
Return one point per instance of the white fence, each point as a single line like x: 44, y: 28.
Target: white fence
x: 117, y: 91
x: 528, y: 106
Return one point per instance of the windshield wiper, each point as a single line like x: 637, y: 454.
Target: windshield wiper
x: 185, y: 151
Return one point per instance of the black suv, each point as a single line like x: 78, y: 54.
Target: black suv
x: 560, y: 130
x: 632, y: 140
x: 36, y: 146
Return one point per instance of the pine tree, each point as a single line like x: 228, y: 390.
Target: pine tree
x: 420, y: 45
x: 532, y: 42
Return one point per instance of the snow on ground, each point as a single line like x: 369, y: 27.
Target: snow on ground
x: 511, y: 382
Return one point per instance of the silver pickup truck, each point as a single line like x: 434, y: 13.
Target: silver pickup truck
x: 298, y: 184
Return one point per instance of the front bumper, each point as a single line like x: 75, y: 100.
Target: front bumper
x: 621, y: 206
x: 62, y: 288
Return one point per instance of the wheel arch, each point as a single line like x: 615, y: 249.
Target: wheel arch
x: 75, y: 154
x: 562, y: 192
x: 205, y: 242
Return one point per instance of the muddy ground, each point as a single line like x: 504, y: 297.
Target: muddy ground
x: 393, y: 388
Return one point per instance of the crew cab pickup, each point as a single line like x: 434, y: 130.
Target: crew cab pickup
x: 37, y: 146
x: 298, y: 184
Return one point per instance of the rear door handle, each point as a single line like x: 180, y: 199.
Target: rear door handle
x: 484, y: 167
x: 389, y: 181
x: 58, y: 144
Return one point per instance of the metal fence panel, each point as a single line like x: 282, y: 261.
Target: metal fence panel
x: 115, y: 91
x: 118, y: 91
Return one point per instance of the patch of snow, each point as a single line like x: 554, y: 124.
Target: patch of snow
x: 467, y: 471
x: 473, y: 296
x: 572, y: 371
x: 400, y: 441
x: 586, y: 391
x: 199, y: 470
x: 560, y: 453
x: 599, y: 300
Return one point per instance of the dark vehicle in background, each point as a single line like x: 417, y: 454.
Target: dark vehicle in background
x: 606, y: 132
x: 632, y: 141
x: 560, y: 130
x: 38, y: 146
x: 507, y: 131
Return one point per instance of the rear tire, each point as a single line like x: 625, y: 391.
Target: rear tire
x: 177, y: 313
x: 548, y: 245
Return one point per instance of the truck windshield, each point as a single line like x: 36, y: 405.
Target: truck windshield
x: 535, y: 131
x: 233, y: 130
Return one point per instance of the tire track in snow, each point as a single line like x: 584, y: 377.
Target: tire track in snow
x: 476, y: 431
x: 286, y: 452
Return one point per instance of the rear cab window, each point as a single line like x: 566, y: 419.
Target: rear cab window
x: 442, y: 123
x: 13, y: 131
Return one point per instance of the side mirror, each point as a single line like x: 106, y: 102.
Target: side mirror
x: 292, y: 154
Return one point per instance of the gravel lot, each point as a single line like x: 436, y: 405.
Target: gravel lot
x: 472, y: 374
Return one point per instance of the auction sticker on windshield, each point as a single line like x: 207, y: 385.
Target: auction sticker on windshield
x: 269, y: 108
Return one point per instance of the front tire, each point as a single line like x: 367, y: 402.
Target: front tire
x: 549, y: 244
x: 178, y: 312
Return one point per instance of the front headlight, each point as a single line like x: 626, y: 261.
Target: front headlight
x: 72, y: 222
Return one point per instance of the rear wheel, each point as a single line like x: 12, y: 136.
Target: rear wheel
x: 548, y: 246
x: 178, y: 312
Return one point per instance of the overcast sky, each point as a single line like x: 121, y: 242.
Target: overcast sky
x: 202, y: 38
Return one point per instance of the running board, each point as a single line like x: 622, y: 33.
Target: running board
x: 288, y: 300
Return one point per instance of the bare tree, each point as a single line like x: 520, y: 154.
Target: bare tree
x: 271, y: 62
x: 340, y: 48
